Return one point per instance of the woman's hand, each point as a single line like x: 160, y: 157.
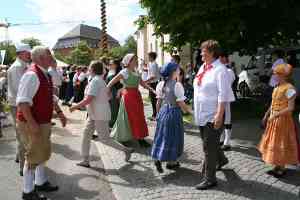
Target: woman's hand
x: 73, y: 108
x: 273, y: 115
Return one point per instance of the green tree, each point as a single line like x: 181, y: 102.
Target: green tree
x: 10, y: 49
x: 130, y: 46
x: 31, y: 41
x: 238, y: 25
x: 81, y: 55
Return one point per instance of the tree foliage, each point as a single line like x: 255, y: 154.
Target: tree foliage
x: 10, y: 49
x: 130, y: 46
x: 31, y: 41
x: 81, y: 55
x: 238, y: 25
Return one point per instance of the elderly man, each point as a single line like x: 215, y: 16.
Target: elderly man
x: 14, y: 75
x: 212, y: 89
x: 35, y: 101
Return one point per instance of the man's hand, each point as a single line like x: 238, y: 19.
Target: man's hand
x: 35, y: 130
x: 218, y: 122
x: 62, y: 119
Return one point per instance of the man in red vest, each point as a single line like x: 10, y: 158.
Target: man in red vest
x: 36, y: 102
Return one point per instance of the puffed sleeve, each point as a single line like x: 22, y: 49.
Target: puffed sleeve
x: 124, y: 73
x: 290, y: 93
x: 159, y: 90
x: 179, y: 92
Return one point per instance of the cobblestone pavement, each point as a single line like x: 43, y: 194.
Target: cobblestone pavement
x: 243, y: 178
x: 76, y: 183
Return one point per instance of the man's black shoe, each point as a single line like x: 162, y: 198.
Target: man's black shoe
x: 46, y: 187
x: 205, y: 185
x: 33, y: 196
x: 173, y: 166
x: 222, y: 164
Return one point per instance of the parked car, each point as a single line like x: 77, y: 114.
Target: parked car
x: 254, y: 78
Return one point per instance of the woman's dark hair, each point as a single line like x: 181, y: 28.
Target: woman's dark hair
x: 118, y: 63
x: 176, y: 58
x: 97, y: 67
x: 182, y: 73
x: 152, y: 55
x: 212, y: 46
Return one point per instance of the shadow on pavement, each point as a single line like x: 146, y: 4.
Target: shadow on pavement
x: 70, y: 186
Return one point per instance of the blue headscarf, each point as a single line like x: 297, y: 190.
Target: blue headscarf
x: 168, y: 68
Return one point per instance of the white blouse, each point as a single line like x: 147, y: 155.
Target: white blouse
x: 99, y: 108
x: 215, y: 88
x: 178, y: 91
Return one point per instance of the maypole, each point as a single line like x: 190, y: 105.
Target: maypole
x: 103, y: 39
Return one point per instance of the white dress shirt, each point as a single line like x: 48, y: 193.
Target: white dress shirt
x: 55, y: 76
x: 99, y: 108
x: 153, y: 72
x: 178, y: 91
x: 29, y: 85
x: 14, y: 75
x: 215, y: 88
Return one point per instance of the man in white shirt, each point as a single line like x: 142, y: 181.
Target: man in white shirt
x: 56, y: 77
x: 152, y: 80
x: 212, y: 90
x: 14, y: 75
x: 36, y: 102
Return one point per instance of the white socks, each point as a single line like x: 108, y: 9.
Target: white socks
x: 28, y: 179
x: 227, y: 136
x: 40, y: 175
x: 32, y: 177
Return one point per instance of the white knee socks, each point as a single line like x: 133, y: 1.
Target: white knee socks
x: 227, y: 136
x: 28, y: 179
x: 40, y: 175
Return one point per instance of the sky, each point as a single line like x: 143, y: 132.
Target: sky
x: 120, y: 14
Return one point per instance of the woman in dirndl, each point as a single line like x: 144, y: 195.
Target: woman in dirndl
x: 130, y: 123
x: 169, y: 133
x: 114, y: 69
x: 279, y: 146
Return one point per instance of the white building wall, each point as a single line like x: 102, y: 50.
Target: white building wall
x: 147, y: 42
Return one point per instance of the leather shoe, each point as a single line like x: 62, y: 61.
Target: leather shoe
x: 222, y: 164
x: 33, y: 196
x: 226, y: 147
x: 206, y: 185
x: 173, y: 166
x: 46, y: 187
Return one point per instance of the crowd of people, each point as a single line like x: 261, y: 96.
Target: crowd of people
x: 109, y: 92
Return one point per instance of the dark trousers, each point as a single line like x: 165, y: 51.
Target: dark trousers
x: 213, y: 155
x: 152, y: 97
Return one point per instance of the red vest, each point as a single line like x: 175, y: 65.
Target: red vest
x: 42, y: 107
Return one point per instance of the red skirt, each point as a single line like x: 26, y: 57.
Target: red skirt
x: 135, y: 111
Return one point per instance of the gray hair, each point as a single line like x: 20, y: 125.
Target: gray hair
x: 38, y: 51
